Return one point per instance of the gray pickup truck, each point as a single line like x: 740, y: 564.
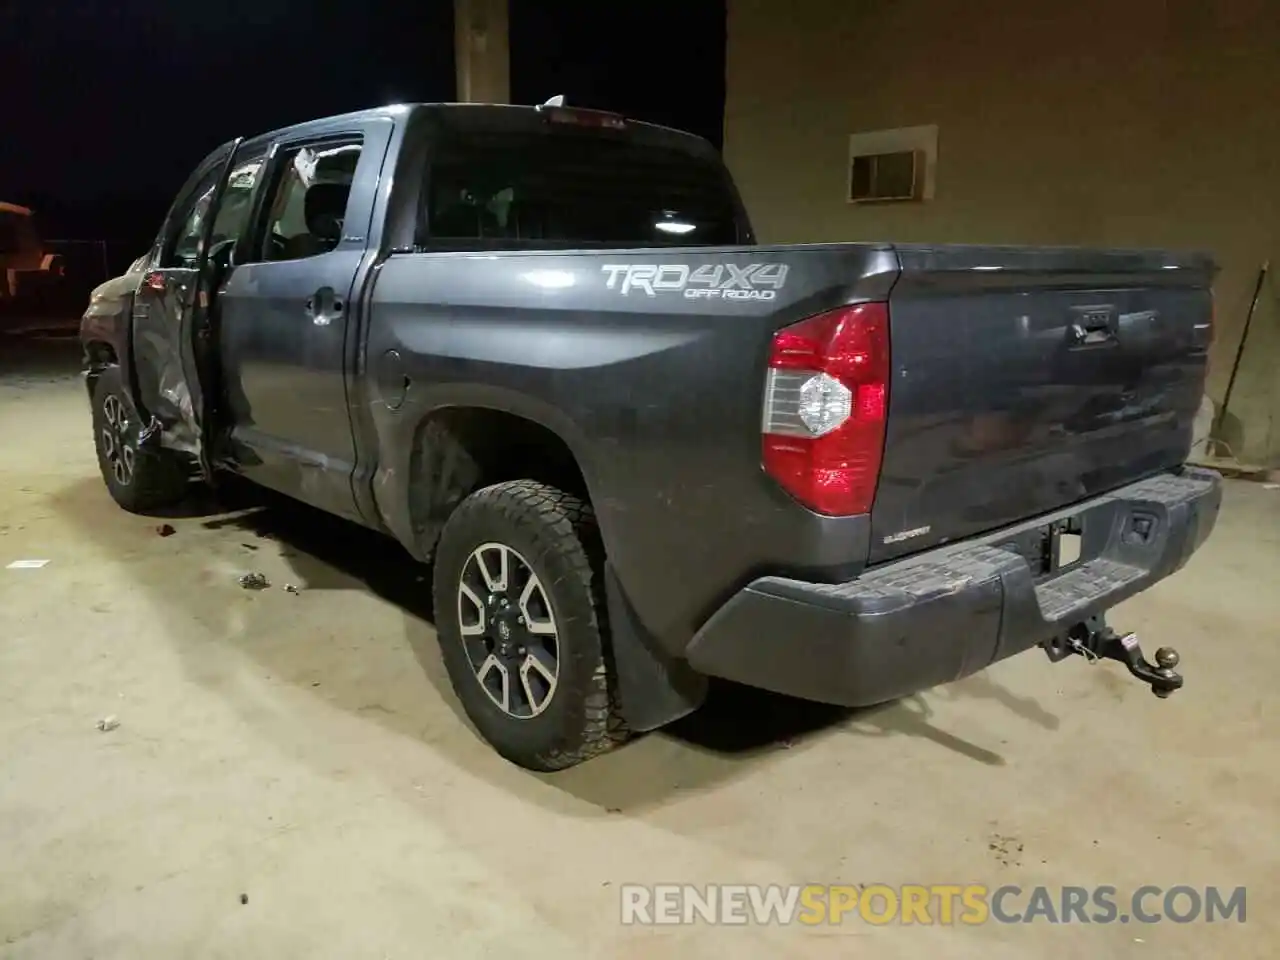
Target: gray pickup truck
x: 540, y: 347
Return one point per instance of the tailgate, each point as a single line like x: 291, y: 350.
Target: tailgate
x: 1028, y: 379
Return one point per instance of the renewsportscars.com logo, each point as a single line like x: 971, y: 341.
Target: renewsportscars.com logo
x: 718, y: 281
x: 924, y: 905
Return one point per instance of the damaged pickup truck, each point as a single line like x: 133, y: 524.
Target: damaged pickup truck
x: 540, y: 347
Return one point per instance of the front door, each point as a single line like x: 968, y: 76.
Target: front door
x: 283, y: 318
x: 170, y: 313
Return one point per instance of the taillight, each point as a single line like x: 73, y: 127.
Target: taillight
x: 825, y: 406
x: 582, y: 117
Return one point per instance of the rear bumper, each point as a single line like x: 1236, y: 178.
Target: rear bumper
x: 950, y: 612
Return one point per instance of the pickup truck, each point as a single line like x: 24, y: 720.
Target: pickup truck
x: 541, y: 348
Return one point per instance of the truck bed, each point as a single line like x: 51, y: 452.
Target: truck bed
x: 994, y: 413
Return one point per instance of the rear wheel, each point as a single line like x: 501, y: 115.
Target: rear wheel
x: 138, y: 480
x: 521, y: 619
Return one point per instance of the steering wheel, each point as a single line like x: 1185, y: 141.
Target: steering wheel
x: 220, y: 253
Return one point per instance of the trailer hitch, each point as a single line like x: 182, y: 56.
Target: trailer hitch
x: 1095, y: 641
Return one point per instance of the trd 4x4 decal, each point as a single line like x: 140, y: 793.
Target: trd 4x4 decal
x: 727, y: 281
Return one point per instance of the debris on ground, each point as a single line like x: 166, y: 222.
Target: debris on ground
x: 254, y: 581
x: 166, y: 530
x: 1271, y: 486
x: 107, y: 724
x: 291, y: 588
x: 249, y: 546
x: 1005, y: 849
x: 244, y: 898
x: 1233, y: 469
x: 27, y: 564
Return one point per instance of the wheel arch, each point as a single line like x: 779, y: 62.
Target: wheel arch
x: 98, y: 355
x: 458, y: 448
x: 455, y: 451
x: 106, y: 339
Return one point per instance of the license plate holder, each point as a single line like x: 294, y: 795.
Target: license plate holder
x: 1065, y: 546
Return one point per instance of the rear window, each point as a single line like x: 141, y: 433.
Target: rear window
x: 568, y: 187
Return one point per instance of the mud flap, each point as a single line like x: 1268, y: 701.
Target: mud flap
x: 653, y: 688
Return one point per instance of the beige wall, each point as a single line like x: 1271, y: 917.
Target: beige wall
x: 1127, y: 123
x: 481, y: 51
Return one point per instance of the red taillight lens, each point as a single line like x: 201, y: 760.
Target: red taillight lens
x: 825, y: 406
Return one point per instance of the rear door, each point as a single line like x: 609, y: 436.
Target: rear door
x: 1025, y: 380
x: 285, y: 316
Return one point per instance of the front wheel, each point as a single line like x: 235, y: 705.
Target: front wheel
x: 521, y: 618
x: 138, y: 480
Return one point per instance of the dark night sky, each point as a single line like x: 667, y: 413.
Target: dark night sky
x: 110, y: 103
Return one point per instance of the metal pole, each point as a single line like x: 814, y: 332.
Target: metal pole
x: 1244, y: 336
x: 481, y: 50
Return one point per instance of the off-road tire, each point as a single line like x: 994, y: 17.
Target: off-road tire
x: 159, y: 478
x: 556, y: 534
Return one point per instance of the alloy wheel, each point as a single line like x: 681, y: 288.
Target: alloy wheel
x: 117, y: 446
x: 509, y: 630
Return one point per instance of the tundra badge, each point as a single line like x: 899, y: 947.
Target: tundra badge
x: 908, y: 534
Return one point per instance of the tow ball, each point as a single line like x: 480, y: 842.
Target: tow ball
x: 1095, y: 641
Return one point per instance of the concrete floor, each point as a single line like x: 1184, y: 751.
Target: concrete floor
x: 304, y: 750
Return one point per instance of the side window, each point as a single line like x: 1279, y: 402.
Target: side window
x: 307, y: 205
x: 181, y: 248
x: 232, y: 217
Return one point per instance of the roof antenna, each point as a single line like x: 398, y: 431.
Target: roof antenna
x: 556, y: 101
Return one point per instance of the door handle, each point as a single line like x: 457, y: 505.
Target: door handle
x: 1092, y: 326
x: 1088, y: 336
